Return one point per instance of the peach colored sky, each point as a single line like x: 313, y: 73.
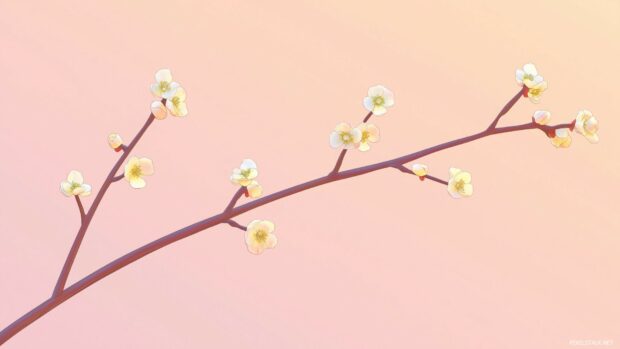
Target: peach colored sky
x: 379, y: 261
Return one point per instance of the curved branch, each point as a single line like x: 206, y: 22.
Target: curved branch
x: 80, y: 207
x: 240, y: 192
x: 118, y: 178
x: 227, y: 216
x: 66, y: 269
x: 234, y: 224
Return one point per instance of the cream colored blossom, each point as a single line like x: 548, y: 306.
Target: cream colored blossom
x: 245, y: 174
x: 135, y: 169
x: 587, y: 125
x: 255, y: 190
x: 419, y: 170
x: 164, y: 87
x: 562, y: 138
x: 528, y: 76
x: 159, y: 110
x: 459, y: 184
x: 378, y: 100
x: 370, y: 134
x: 344, y: 135
x: 259, y: 236
x: 541, y: 117
x: 535, y: 92
x: 115, y: 141
x: 176, y: 104
x: 74, y: 185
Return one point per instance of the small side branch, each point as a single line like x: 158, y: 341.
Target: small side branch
x: 367, y: 117
x: 438, y: 180
x: 236, y: 225
x: 339, y: 162
x: 81, y: 208
x: 403, y: 169
x: 118, y: 178
x: 242, y: 190
x: 507, y: 107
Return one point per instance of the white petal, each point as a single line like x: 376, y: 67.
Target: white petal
x: 519, y: 75
x: 375, y: 91
x: 172, y: 90
x: 364, y: 146
x: 247, y: 164
x: 334, y: 140
x: 163, y: 75
x: 343, y: 127
x: 468, y: 190
x: 388, y: 97
x: 155, y: 90
x: 65, y: 188
x: 75, y: 177
x: 272, y: 241
x: 379, y: 110
x: 146, y: 166
x: 137, y: 183
x: 357, y: 135
x: 530, y: 69
x: 368, y: 104
x: 86, y: 190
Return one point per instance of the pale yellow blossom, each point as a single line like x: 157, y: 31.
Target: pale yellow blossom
x: 562, y: 138
x: 159, y: 110
x: 135, y: 169
x: 535, y: 92
x: 255, y: 190
x: 259, y: 236
x: 176, y: 104
x: 541, y: 117
x: 74, y: 185
x: 164, y: 87
x: 344, y: 135
x: 115, y: 141
x: 370, y: 134
x: 528, y: 76
x: 419, y: 170
x: 587, y: 125
x: 378, y: 100
x: 245, y: 174
x: 459, y: 184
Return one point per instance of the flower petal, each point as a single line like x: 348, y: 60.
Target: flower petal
x: 137, y: 182
x: 146, y: 166
x: 334, y: 140
x: 75, y: 177
x: 163, y: 75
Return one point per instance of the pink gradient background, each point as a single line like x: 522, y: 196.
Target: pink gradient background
x: 378, y: 261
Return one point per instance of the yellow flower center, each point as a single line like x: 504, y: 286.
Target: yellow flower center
x: 135, y: 171
x: 75, y: 186
x: 346, y: 137
x: 164, y: 86
x: 365, y: 136
x: 459, y: 186
x: 246, y: 173
x: 261, y: 236
x: 176, y: 101
x: 535, y: 92
x: 378, y: 101
x: 529, y: 77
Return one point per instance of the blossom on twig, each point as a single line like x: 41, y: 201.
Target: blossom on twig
x: 74, y: 185
x: 115, y: 141
x: 419, y: 170
x: 541, y: 117
x: 345, y: 136
x: 245, y: 174
x: 528, y: 76
x: 370, y: 134
x: 459, y: 184
x: 378, y: 100
x: 587, y: 125
x: 137, y: 168
x: 561, y: 138
x: 259, y: 236
x: 164, y: 87
x: 255, y: 190
x: 176, y: 104
x: 159, y: 110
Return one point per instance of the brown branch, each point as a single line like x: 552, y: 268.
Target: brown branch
x: 118, y: 178
x: 404, y: 169
x: 66, y: 269
x: 225, y: 217
x: 240, y: 192
x: 507, y: 107
x: 438, y: 180
x: 367, y: 117
x: 232, y: 223
x: 80, y: 207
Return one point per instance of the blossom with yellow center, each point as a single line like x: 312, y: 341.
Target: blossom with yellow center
x: 459, y: 184
x: 135, y: 169
x: 528, y: 76
x: 378, y: 100
x: 115, y: 141
x: 562, y: 138
x: 344, y: 135
x: 159, y: 110
x: 370, y: 134
x: 587, y: 125
x: 176, y: 104
x: 255, y: 190
x: 164, y: 87
x: 541, y: 117
x: 535, y: 92
x: 245, y: 174
x: 259, y: 236
x: 419, y: 170
x: 74, y: 185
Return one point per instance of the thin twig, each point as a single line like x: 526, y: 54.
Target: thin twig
x: 81, y: 208
x: 433, y: 178
x: 404, y: 169
x: 367, y: 117
x: 232, y: 223
x: 338, y: 162
x: 240, y: 192
x: 224, y: 217
x: 507, y: 107
x: 66, y: 269
x: 118, y: 178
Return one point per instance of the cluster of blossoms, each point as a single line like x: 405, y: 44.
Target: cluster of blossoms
x: 459, y: 184
x: 259, y: 233
x: 172, y: 94
x: 378, y: 100
x: 585, y: 123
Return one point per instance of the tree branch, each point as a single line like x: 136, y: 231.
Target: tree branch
x: 438, y: 180
x: 118, y: 178
x: 66, y: 269
x: 80, y: 207
x: 507, y: 107
x: 227, y: 215
x: 240, y: 192
x: 232, y: 223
